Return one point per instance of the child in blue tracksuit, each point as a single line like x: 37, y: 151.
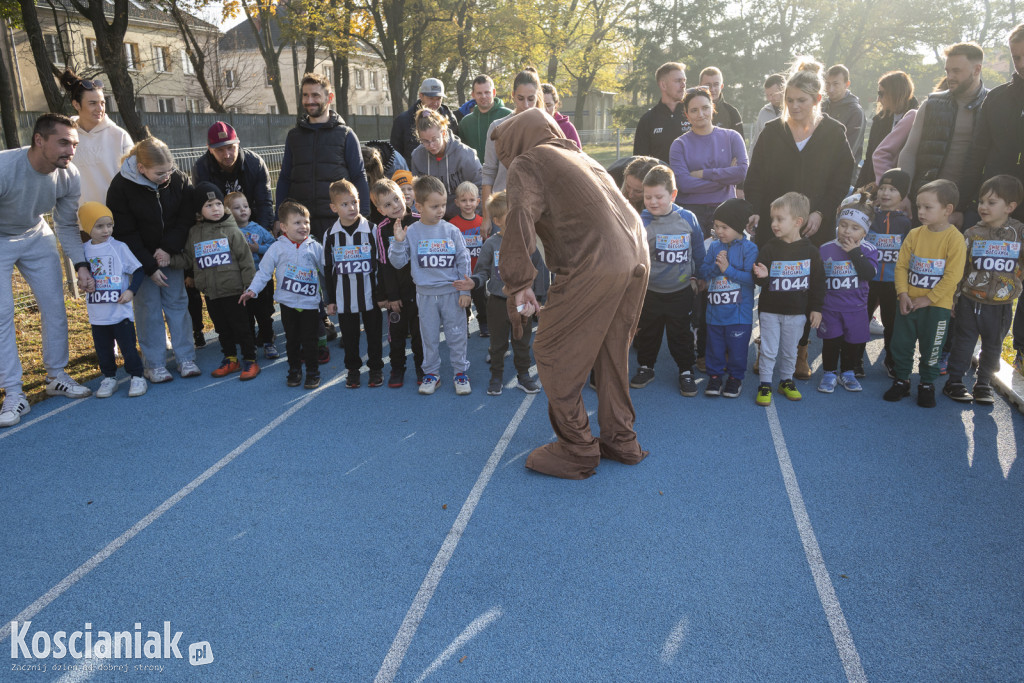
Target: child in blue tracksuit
x: 728, y: 270
x: 259, y: 239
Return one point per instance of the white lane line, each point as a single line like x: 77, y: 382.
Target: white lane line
x: 11, y: 431
x: 393, y: 660
x: 112, y: 547
x: 470, y: 632
x: 826, y: 592
x: 359, y: 465
x: 674, y: 641
x: 967, y: 417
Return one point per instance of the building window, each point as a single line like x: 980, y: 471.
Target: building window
x: 131, y: 56
x: 194, y: 105
x: 186, y: 64
x: 161, y: 55
x: 92, y: 53
x: 271, y: 108
x: 359, y: 80
x: 230, y: 78
x: 234, y: 110
x: 376, y: 110
x: 166, y: 105
x: 373, y: 80
x: 54, y: 48
x: 140, y: 104
x: 329, y: 74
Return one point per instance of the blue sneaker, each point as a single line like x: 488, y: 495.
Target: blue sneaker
x: 270, y: 351
x: 429, y: 384
x: 828, y: 382
x: 849, y: 381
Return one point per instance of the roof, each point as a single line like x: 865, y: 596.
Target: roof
x: 145, y: 10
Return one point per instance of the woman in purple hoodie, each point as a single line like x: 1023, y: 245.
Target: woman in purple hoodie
x: 708, y: 161
x: 551, y: 102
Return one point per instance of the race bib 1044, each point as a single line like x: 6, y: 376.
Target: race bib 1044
x: 474, y: 243
x: 352, y: 260
x: 435, y: 253
x: 888, y: 246
x: 213, y: 253
x: 722, y: 291
x: 108, y: 290
x: 995, y: 255
x: 672, y: 248
x: 301, y: 281
x: 790, y: 276
x: 840, y: 275
x: 925, y: 273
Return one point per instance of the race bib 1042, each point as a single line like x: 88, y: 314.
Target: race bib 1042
x: 352, y: 260
x: 888, y: 246
x: 925, y: 273
x: 672, y: 248
x: 840, y: 275
x: 438, y: 253
x: 790, y: 276
x: 301, y: 281
x: 213, y: 253
x: 722, y: 291
x: 995, y: 255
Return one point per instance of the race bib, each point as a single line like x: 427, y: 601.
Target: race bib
x: 300, y: 280
x: 108, y: 290
x: 840, y: 275
x: 888, y: 246
x: 252, y: 238
x: 722, y: 292
x: 995, y: 255
x: 672, y: 248
x: 352, y: 260
x: 213, y: 253
x: 790, y: 276
x: 496, y: 252
x: 435, y: 254
x: 474, y: 243
x: 925, y: 273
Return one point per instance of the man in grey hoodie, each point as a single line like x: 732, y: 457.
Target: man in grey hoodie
x: 844, y: 107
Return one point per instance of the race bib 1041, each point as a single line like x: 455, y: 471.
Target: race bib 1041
x: 352, y: 260
x: 790, y: 276
x: 672, y: 248
x: 301, y: 281
x: 925, y: 273
x: 995, y: 255
x: 213, y: 253
x: 840, y: 275
x: 722, y: 291
x: 438, y: 253
x: 888, y: 246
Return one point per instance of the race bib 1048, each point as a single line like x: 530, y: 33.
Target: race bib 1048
x: 925, y: 273
x: 108, y: 290
x: 301, y: 281
x: 352, y: 260
x: 672, y: 248
x: 212, y: 253
x: 722, y: 291
x: 840, y: 275
x: 995, y: 255
x: 435, y: 253
x: 474, y: 243
x: 790, y: 276
x: 888, y: 246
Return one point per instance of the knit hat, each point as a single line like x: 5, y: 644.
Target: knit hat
x: 89, y: 213
x: 402, y: 177
x: 898, y: 178
x: 856, y: 209
x: 204, y: 192
x: 220, y: 134
x: 735, y: 213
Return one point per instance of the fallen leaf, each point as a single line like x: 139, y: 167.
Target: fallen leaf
x: 661, y: 493
x: 89, y: 503
x: 463, y: 659
x: 444, y: 507
x: 844, y: 576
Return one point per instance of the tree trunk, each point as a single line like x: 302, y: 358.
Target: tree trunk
x: 310, y: 46
x: 341, y: 82
x: 295, y: 77
x: 552, y: 68
x: 55, y: 100
x: 196, y: 56
x: 8, y: 107
x: 260, y: 25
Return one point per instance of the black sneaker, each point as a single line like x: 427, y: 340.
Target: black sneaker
x: 294, y: 378
x: 312, y: 380
x: 376, y: 378
x: 714, y: 387
x: 900, y: 388
x: 200, y: 340
x: 527, y: 383
x: 926, y: 395
x: 957, y: 391
x: 858, y: 369
x: 642, y: 378
x: 733, y: 386
x: 397, y: 378
x: 352, y: 380
x: 983, y: 394
x: 323, y: 355
x: 687, y: 387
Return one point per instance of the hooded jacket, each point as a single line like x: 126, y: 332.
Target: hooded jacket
x: 568, y: 129
x: 298, y: 267
x: 458, y: 163
x: 219, y: 256
x: 995, y: 261
x: 566, y: 199
x: 676, y: 257
x: 98, y: 157
x: 848, y: 112
x: 249, y: 176
x: 148, y: 217
x: 403, y: 130
x: 473, y: 128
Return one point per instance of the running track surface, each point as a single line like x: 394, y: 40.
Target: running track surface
x: 375, y: 534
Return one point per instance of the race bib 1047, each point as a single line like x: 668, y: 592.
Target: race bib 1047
x: 672, y: 248
x: 790, y: 276
x: 840, y: 275
x: 995, y: 255
x: 301, y: 281
x: 438, y: 253
x: 722, y: 291
x: 888, y: 246
x: 352, y: 260
x: 213, y: 253
x: 925, y: 273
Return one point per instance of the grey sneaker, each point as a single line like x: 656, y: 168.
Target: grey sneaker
x: 494, y: 387
x: 107, y: 388
x: 158, y: 375
x: 138, y: 387
x: 528, y: 384
x: 189, y: 369
x: 642, y: 378
x: 65, y: 385
x: 15, y: 407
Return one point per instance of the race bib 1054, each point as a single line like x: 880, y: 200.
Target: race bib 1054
x: 672, y: 248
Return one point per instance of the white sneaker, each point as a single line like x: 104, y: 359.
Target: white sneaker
x: 462, y: 384
x: 189, y: 369
x: 158, y: 375
x: 107, y: 388
x: 429, y: 385
x: 15, y: 406
x: 137, y: 387
x: 877, y: 328
x: 65, y: 385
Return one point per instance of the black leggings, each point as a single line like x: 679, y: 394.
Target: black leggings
x: 832, y: 349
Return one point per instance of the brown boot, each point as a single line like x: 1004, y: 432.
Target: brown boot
x: 803, y: 370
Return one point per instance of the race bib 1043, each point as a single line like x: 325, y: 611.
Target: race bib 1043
x: 352, y: 260
x: 672, y: 248
x: 888, y: 246
x: 925, y: 273
x: 995, y: 255
x: 840, y: 275
x: 438, y: 253
x: 790, y: 276
x: 301, y: 281
x: 212, y: 253
x: 722, y: 291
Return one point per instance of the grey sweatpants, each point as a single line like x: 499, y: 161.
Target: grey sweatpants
x: 780, y: 335
x: 36, y: 257
x: 437, y: 310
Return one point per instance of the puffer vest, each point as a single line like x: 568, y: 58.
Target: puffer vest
x: 318, y: 159
x: 940, y: 120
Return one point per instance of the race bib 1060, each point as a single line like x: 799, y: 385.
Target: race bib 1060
x: 301, y: 281
x: 474, y: 244
x: 888, y: 246
x: 995, y: 255
x: 435, y: 253
x: 352, y: 260
x: 840, y: 275
x: 672, y: 248
x: 925, y: 273
x: 790, y: 276
x: 212, y: 253
x: 722, y: 291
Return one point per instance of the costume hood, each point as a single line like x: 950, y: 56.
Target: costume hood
x: 523, y: 132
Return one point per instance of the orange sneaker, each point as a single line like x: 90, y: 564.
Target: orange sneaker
x: 249, y: 370
x: 227, y: 366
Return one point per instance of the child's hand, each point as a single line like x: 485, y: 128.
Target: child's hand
x: 920, y: 302
x: 395, y: 306
x: 400, y: 232
x: 815, y: 319
x: 163, y: 259
x: 190, y: 282
x: 246, y: 295
x: 722, y: 261
x: 126, y: 297
x: 760, y: 270
x: 465, y: 300
x: 465, y: 284
x: 848, y: 244
x: 254, y: 247
x: 332, y: 309
x: 906, y: 306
